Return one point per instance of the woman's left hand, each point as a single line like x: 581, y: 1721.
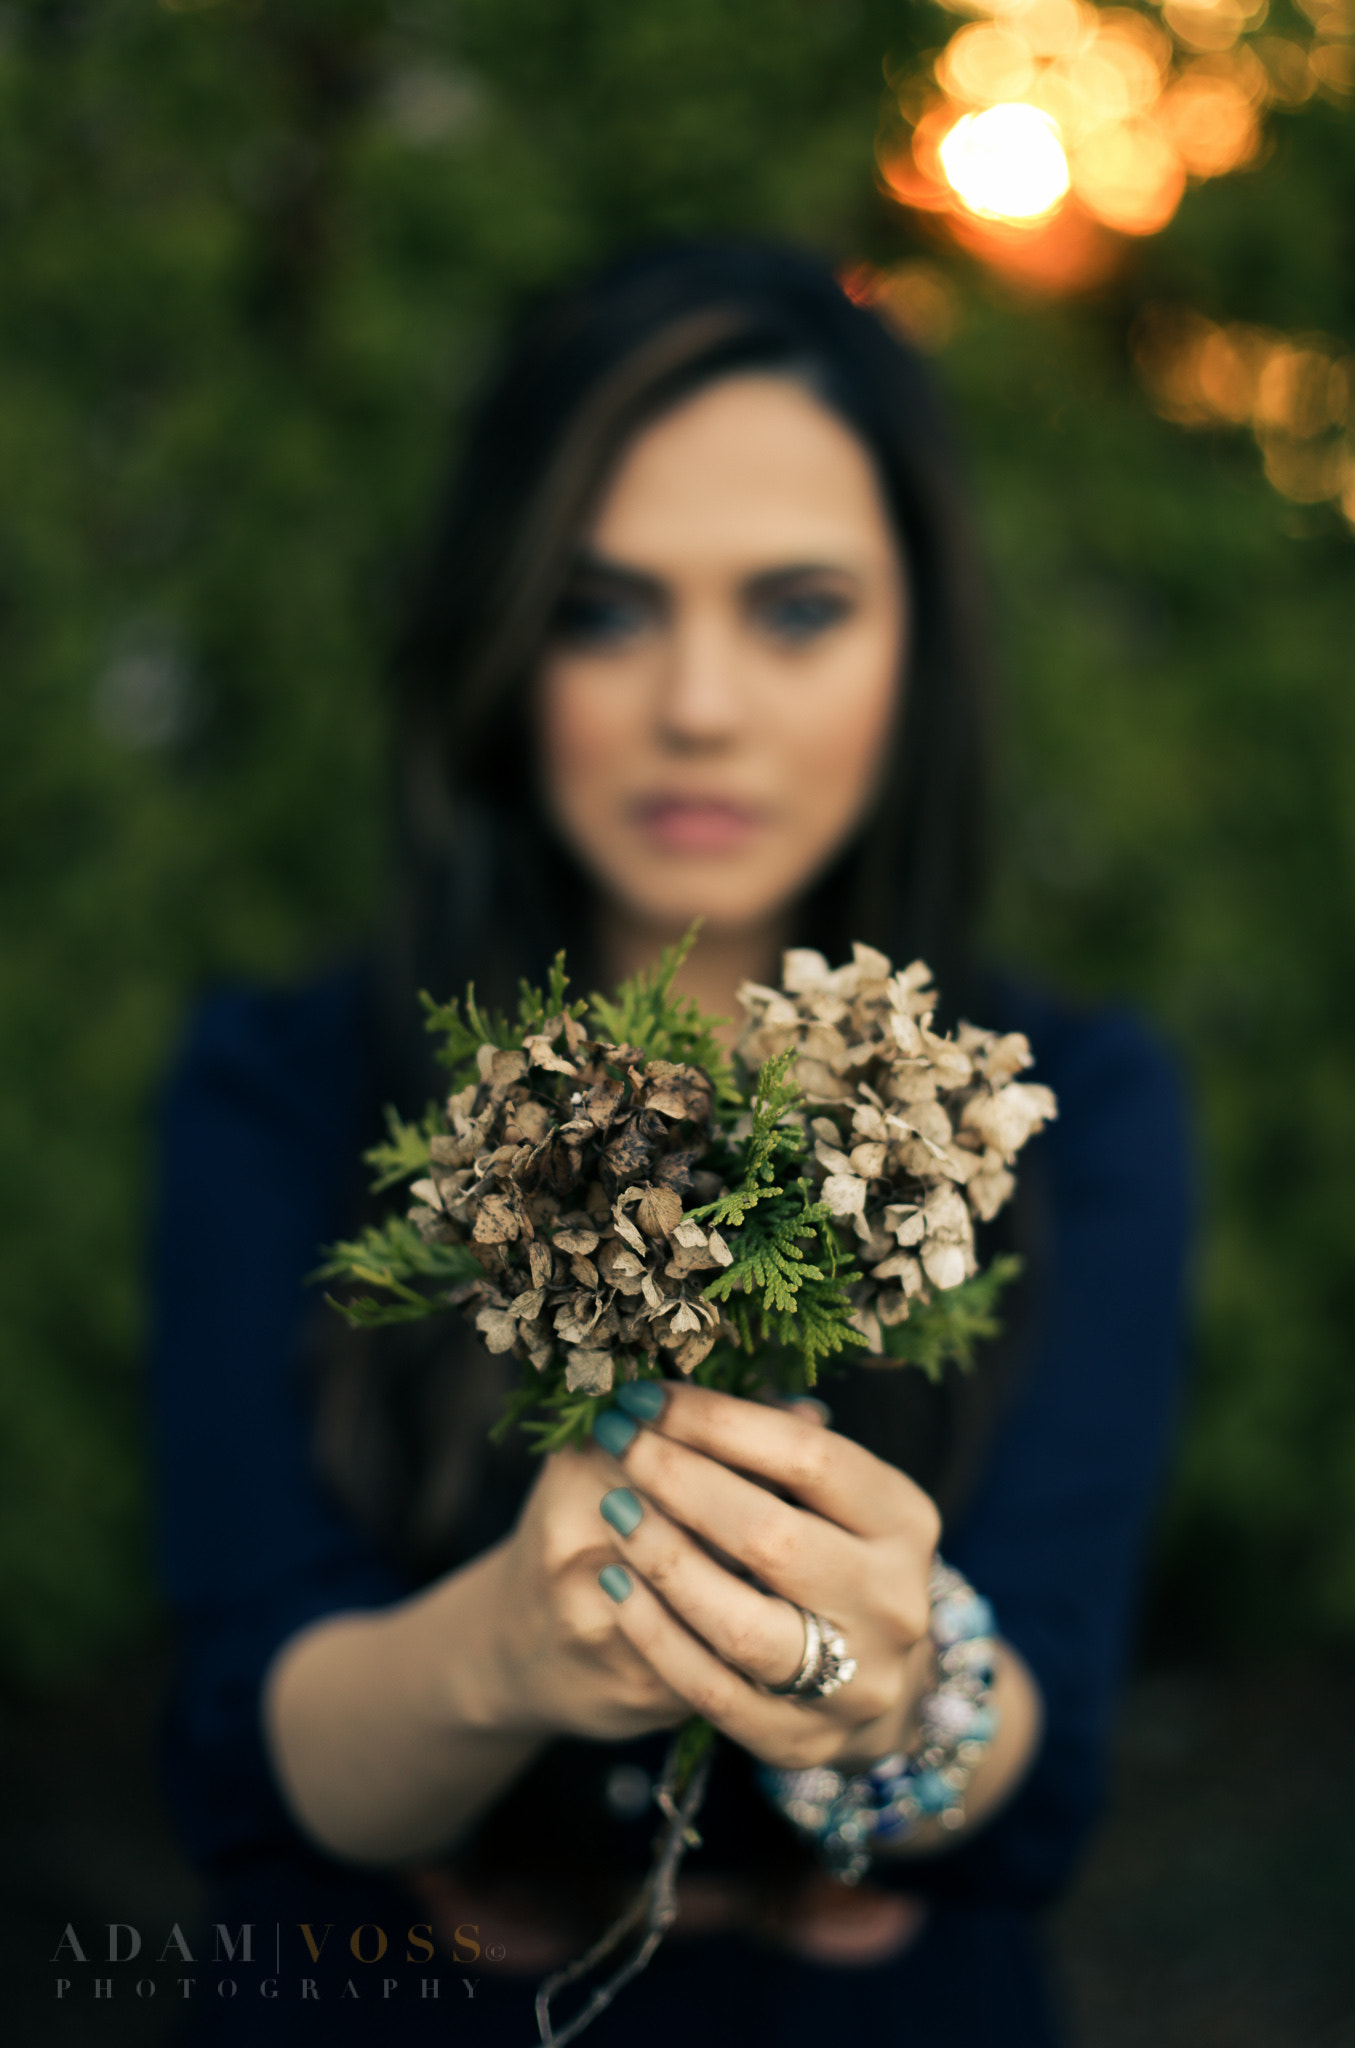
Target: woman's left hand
x: 854, y: 1544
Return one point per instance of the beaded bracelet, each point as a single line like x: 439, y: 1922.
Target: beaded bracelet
x: 848, y: 1818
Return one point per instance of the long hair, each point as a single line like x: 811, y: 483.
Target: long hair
x: 484, y: 888
x: 485, y: 891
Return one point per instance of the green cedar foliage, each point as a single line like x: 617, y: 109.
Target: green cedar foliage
x: 787, y: 1290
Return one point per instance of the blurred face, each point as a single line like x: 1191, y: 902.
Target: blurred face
x: 716, y: 700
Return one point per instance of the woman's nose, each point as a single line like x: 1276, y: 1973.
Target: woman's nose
x: 700, y: 693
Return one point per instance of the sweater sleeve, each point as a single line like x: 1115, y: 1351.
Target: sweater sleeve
x: 261, y: 1125
x: 1056, y: 1533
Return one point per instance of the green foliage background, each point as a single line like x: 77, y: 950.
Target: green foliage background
x: 254, y: 254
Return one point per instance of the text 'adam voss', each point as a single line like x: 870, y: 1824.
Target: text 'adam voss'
x: 368, y: 1943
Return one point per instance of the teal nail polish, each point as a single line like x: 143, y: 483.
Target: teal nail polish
x: 614, y: 1431
x: 615, y: 1582
x: 643, y: 1399
x: 622, y: 1510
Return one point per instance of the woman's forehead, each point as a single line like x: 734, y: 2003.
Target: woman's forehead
x: 753, y: 467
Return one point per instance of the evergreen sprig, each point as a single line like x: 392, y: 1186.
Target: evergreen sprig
x: 793, y: 1300
x: 646, y: 1013
x: 392, y: 1256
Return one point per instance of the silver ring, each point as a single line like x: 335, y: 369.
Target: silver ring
x: 824, y: 1667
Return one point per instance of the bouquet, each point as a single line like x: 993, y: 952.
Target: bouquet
x: 607, y: 1196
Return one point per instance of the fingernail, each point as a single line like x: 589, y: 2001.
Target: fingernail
x: 614, y: 1431
x: 615, y: 1582
x: 815, y: 1407
x: 622, y: 1510
x: 642, y: 1398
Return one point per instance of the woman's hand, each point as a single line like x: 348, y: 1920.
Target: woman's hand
x: 854, y: 1543
x: 560, y: 1663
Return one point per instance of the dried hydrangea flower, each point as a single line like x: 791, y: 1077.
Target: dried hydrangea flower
x: 564, y: 1169
x: 913, y: 1132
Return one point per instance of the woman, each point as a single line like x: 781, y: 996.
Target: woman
x: 698, y: 637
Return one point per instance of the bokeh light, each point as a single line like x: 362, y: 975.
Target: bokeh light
x: 1297, y: 394
x: 1048, y: 133
x: 1135, y: 108
x: 1006, y: 163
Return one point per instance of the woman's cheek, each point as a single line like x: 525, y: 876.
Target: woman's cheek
x: 834, y: 750
x: 587, y: 740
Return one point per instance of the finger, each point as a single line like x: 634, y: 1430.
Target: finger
x: 828, y: 1473
x: 809, y: 1409
x: 806, y: 1559
x: 760, y: 1635
x: 779, y: 1731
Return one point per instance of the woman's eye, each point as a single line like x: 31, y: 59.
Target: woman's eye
x: 596, y: 618
x: 800, y: 616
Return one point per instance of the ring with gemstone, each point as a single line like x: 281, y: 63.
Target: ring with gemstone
x: 824, y: 1666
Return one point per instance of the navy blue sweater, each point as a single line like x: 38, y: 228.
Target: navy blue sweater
x: 263, y: 1122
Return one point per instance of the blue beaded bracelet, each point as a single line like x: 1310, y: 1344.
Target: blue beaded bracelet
x: 848, y: 1818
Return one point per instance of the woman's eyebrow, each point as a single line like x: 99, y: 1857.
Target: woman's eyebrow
x: 767, y: 582
x: 591, y: 567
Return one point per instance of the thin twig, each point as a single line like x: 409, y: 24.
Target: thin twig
x: 654, y: 1907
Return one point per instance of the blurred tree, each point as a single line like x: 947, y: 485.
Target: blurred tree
x: 255, y: 253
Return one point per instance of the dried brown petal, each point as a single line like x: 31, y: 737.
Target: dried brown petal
x: 617, y: 1263
x: 906, y: 1221
x: 625, y: 1229
x: 868, y: 1160
x: 819, y: 1083
x: 844, y: 1193
x: 505, y: 1068
x: 538, y: 1344
x: 945, y: 1264
x: 498, y: 1220
x: 528, y: 1123
x: 575, y: 1320
x: 1007, y: 1057
x: 602, y: 1100
x: 869, y: 1124
x: 988, y: 1191
x: 803, y: 970
x: 539, y: 1262
x: 911, y: 1083
x: 658, y: 1211
x: 589, y: 1372
x: 868, y: 1323
x: 947, y: 1217
x: 831, y: 1157
x: 542, y: 1053
x: 498, y: 1329
x: 1006, y: 1120
x: 628, y: 1155
x: 577, y: 1238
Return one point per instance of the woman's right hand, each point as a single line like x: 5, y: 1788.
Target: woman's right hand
x: 558, y: 1662
x: 391, y: 1730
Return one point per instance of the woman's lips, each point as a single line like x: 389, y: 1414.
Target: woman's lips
x: 681, y: 824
